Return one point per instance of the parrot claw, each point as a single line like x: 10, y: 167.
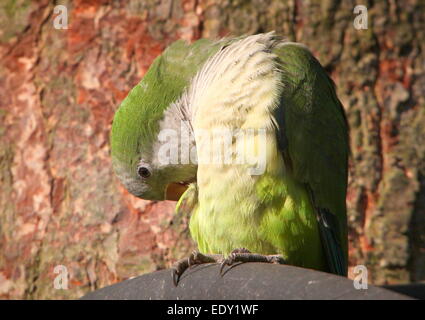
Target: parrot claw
x: 232, y: 258
x: 176, y: 277
x: 244, y: 255
x: 195, y: 258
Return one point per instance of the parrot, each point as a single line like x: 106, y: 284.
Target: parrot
x: 287, y: 204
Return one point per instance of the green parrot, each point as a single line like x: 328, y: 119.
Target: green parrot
x: 287, y: 203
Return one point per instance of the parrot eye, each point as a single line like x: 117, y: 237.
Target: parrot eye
x: 143, y: 172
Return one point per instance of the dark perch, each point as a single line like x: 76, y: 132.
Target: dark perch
x: 245, y: 281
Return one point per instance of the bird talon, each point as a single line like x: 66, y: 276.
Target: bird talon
x: 195, y: 258
x: 222, y: 265
x: 176, y: 277
x: 192, y: 259
x: 228, y: 261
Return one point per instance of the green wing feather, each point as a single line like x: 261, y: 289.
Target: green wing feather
x: 313, y: 136
x: 187, y: 204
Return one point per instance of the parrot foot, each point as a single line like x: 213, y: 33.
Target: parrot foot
x: 195, y: 258
x: 243, y: 255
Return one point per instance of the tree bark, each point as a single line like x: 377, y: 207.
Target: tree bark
x: 60, y: 203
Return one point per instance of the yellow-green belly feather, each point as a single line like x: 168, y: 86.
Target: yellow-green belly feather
x: 275, y: 218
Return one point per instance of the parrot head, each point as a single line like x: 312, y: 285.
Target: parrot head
x: 152, y: 106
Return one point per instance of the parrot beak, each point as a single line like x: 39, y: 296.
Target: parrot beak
x: 174, y: 190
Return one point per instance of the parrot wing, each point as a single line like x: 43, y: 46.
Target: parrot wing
x: 313, y: 136
x: 186, y: 205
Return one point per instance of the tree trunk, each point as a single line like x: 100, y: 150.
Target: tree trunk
x: 60, y: 203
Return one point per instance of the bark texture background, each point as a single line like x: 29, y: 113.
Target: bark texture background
x: 60, y: 203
